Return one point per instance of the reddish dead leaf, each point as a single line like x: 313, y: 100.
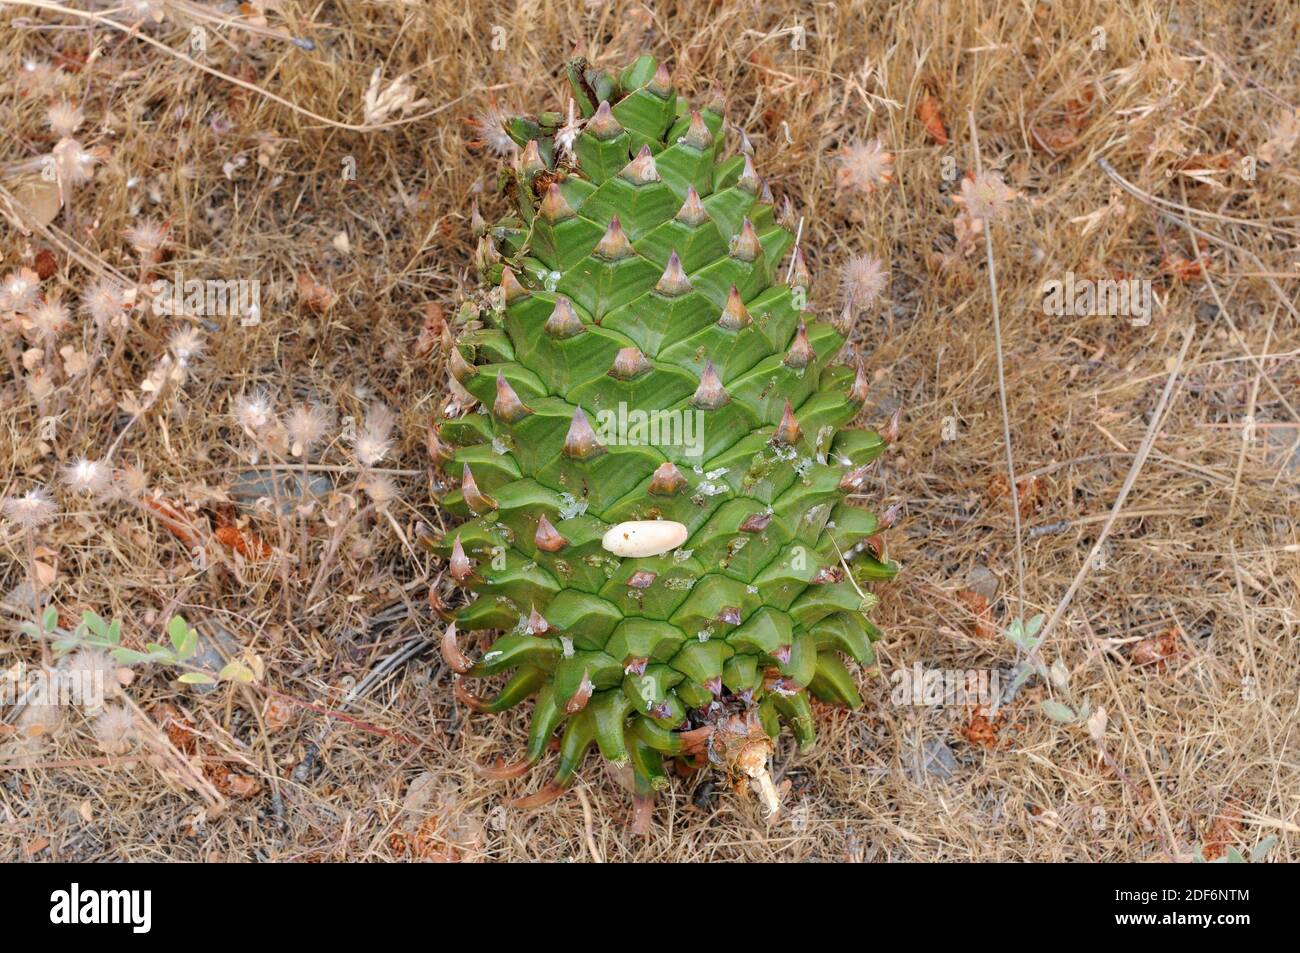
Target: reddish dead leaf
x: 983, y: 732
x: 179, y: 729
x: 455, y: 838
x: 1061, y: 132
x: 927, y: 110
x: 315, y: 296
x: 173, y: 519
x: 232, y: 784
x: 1026, y: 490
x: 277, y: 713
x: 243, y: 541
x: 982, y: 610
x: 1184, y: 269
x: 433, y: 331
x: 46, y: 264
x: 1221, y: 836
x: 1155, y: 651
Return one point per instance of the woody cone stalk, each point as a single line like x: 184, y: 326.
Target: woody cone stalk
x: 642, y: 267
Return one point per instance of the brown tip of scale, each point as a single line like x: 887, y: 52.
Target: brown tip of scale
x: 555, y: 207
x: 603, y: 125
x: 459, y: 565
x: 455, y: 659
x: 583, y: 695
x: 564, y: 322
x: 510, y: 286
x: 800, y: 354
x: 661, y: 84
x: 787, y: 431
x: 629, y: 363
x: 507, y: 406
x: 674, y: 281
x: 548, y: 538
x: 460, y: 368
x: 530, y: 162
x: 697, y: 134
x: 692, y: 212
x: 641, y: 170
x: 861, y: 386
x: 478, y: 501
x: 748, y: 179
x: 613, y: 245
x: 735, y: 315
x: 710, y: 395
x: 747, y: 247
x: 667, y: 480
x: 581, y: 441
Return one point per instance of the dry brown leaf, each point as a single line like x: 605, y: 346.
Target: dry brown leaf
x: 927, y: 110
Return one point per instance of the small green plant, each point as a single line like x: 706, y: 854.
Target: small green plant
x: 1234, y: 856
x: 179, y: 651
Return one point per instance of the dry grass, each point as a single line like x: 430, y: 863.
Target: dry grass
x: 1201, y: 564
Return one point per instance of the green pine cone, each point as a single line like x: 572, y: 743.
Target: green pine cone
x: 638, y: 357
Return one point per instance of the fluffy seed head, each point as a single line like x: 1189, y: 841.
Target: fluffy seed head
x: 380, y: 489
x: 863, y: 279
x: 370, y: 447
x: 64, y: 119
x: 115, y: 730
x: 254, y: 412
x: 73, y: 165
x: 104, y: 301
x: 87, y: 476
x: 146, y: 236
x: 34, y: 508
x: 985, y: 196
x: 19, y: 290
x: 49, y: 319
x: 490, y: 124
x: 865, y: 167
x: 186, y: 343
x: 307, y: 425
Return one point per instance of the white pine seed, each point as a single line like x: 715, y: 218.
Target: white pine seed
x: 637, y: 538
